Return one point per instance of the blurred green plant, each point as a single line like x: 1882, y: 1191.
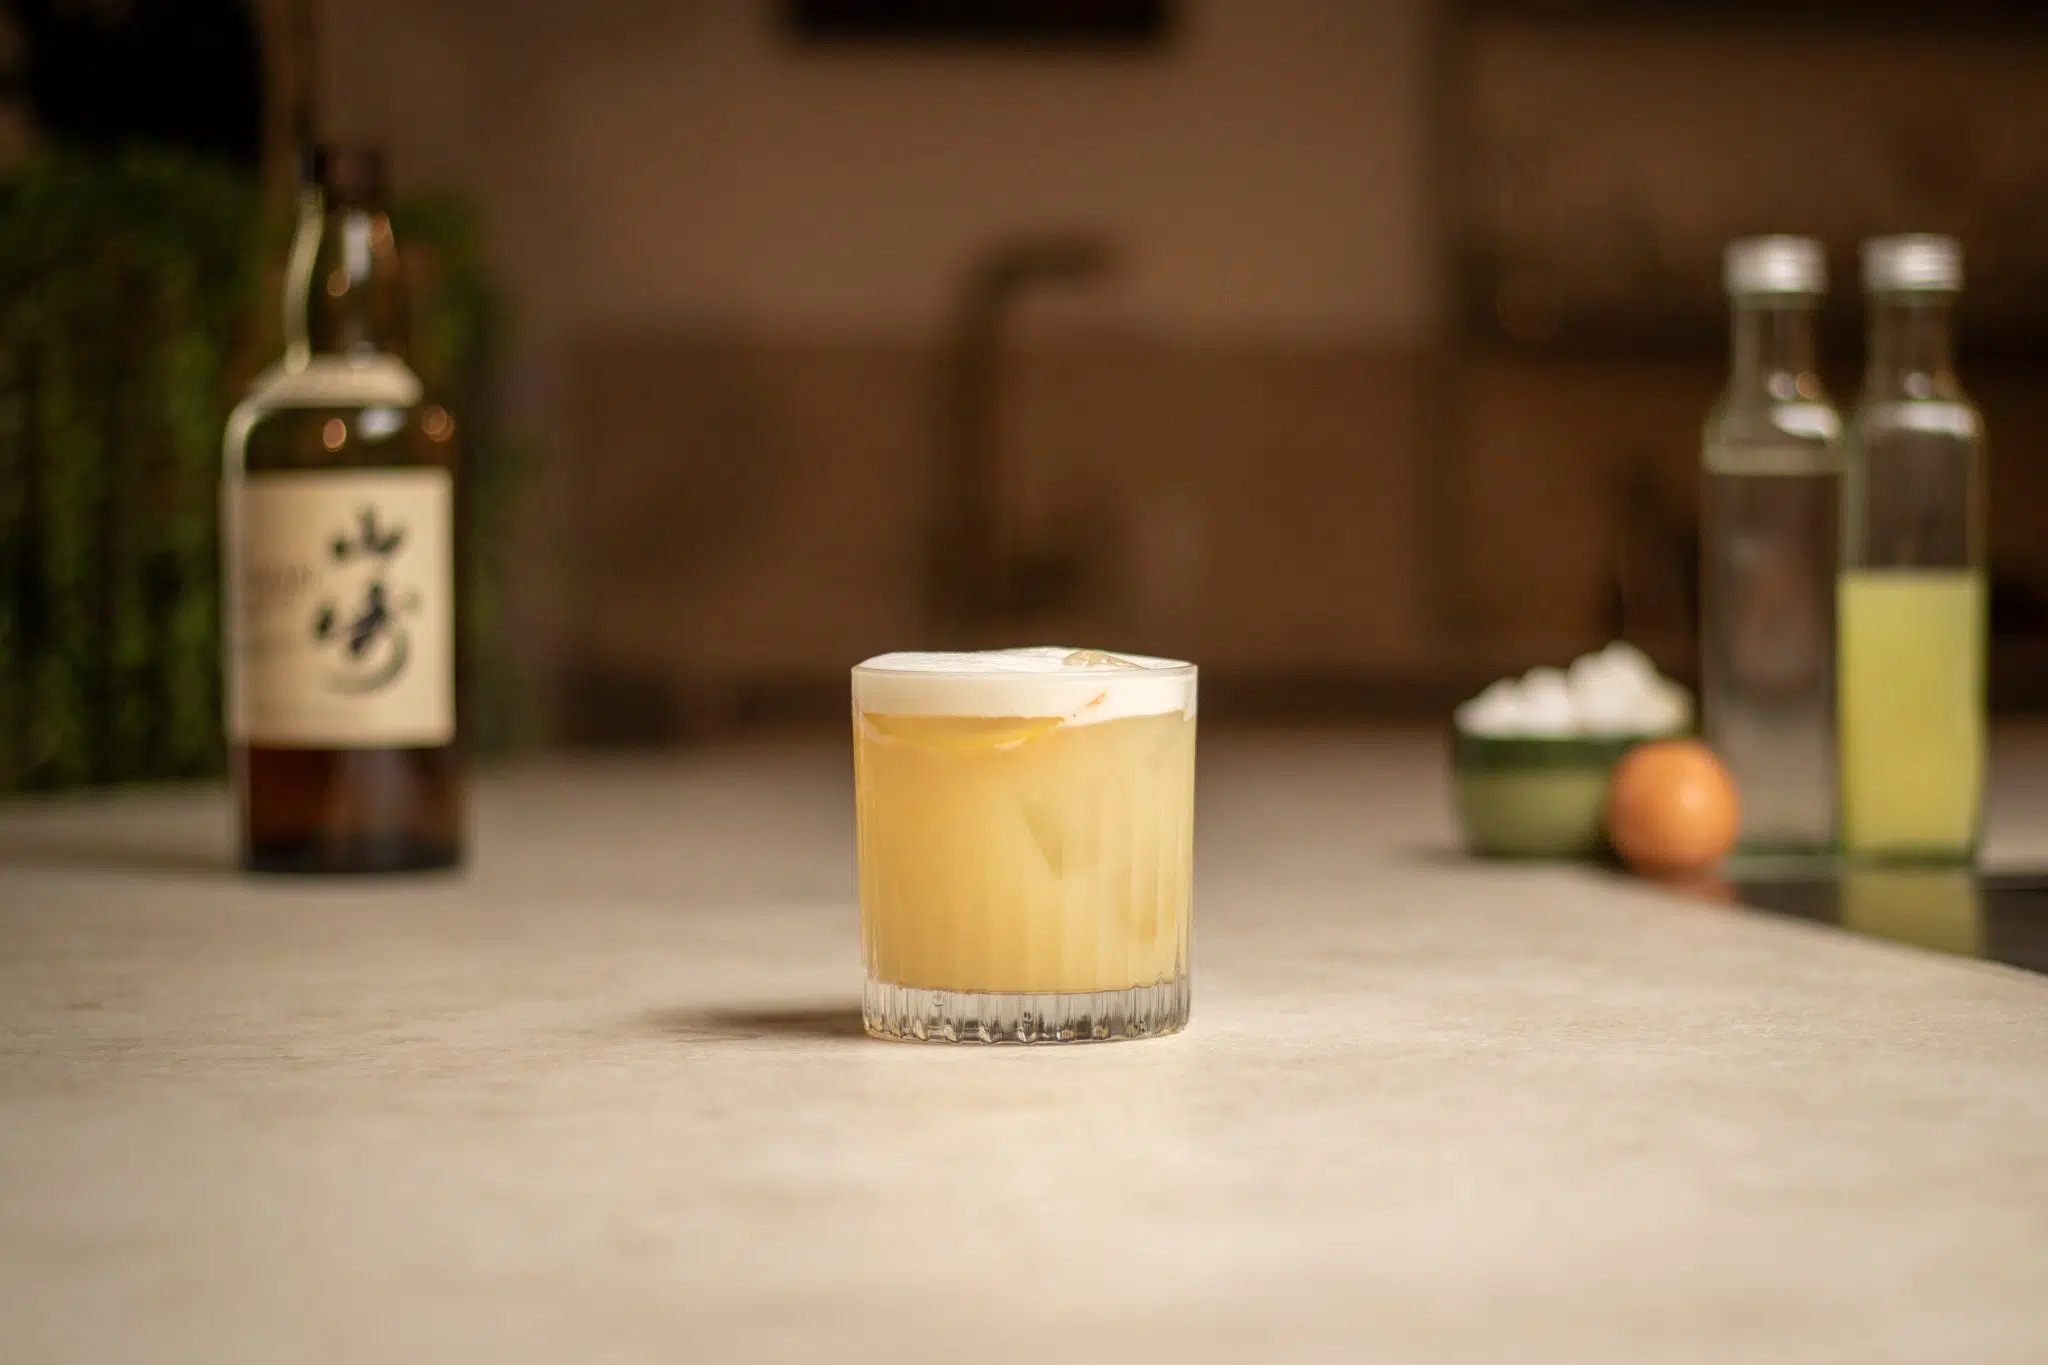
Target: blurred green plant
x: 132, y: 312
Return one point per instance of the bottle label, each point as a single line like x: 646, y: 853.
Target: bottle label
x: 341, y: 608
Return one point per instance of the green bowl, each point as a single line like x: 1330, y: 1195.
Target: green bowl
x: 1532, y: 797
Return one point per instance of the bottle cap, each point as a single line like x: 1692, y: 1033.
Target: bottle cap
x: 1917, y: 261
x: 1774, y: 265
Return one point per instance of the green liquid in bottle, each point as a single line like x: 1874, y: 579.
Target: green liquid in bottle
x: 1911, y: 719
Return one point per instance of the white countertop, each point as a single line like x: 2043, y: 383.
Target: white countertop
x: 604, y: 1098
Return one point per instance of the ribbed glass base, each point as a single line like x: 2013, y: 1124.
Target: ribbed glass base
x: 912, y: 1014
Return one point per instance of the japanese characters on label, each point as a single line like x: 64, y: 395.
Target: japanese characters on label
x: 341, y: 608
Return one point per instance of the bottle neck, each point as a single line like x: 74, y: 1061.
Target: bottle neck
x: 344, y: 291
x: 1773, y: 347
x: 1912, y: 345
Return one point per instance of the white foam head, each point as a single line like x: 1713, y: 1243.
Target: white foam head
x: 1080, y: 686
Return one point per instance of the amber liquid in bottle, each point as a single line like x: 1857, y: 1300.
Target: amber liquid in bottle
x: 339, y: 521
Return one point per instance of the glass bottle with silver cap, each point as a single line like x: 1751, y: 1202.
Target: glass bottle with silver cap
x: 1912, y: 584
x: 1769, y: 514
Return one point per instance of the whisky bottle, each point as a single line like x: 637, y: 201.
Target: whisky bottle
x: 339, y: 531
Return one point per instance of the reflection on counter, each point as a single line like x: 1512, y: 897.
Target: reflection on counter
x: 1940, y: 908
x: 2002, y: 916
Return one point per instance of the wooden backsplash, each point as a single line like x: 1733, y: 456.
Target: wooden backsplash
x: 742, y: 516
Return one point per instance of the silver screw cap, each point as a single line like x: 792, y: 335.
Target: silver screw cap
x: 1919, y: 261
x: 1774, y: 265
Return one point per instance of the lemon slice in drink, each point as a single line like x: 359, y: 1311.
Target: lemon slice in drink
x: 1098, y: 658
x: 962, y: 734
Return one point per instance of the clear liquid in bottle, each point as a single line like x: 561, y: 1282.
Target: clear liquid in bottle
x: 1767, y: 664
x: 1769, y: 525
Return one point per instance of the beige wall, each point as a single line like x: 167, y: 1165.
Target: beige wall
x: 648, y: 160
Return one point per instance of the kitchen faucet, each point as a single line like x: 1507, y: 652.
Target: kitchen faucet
x: 981, y: 574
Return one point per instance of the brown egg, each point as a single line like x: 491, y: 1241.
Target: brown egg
x: 1671, y: 808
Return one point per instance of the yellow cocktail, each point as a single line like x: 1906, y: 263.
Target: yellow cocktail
x: 1026, y: 828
